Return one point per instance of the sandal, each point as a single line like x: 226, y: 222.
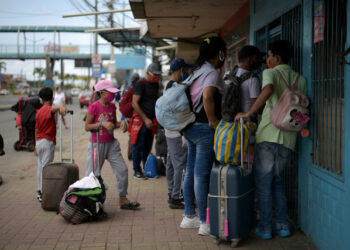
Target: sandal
x: 130, y: 206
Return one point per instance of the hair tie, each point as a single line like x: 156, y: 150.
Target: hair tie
x: 207, y: 40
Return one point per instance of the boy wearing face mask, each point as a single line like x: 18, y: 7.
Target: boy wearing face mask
x: 249, y: 60
x: 177, y: 152
x: 143, y: 124
x: 102, y: 115
x: 274, y: 146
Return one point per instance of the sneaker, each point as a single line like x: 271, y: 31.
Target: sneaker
x: 169, y: 199
x: 204, y: 229
x: 39, y: 196
x: 263, y: 235
x: 282, y: 230
x: 140, y: 175
x: 190, y: 223
x: 176, y: 204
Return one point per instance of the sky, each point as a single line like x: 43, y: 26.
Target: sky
x: 49, y: 13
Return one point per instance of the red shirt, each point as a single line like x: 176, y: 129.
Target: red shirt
x: 45, y: 124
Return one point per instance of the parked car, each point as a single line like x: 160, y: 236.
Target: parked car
x: 75, y: 92
x: 33, y: 92
x: 84, y: 98
x: 4, y: 92
x: 68, y: 96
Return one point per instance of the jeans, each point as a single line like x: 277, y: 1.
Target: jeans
x: 142, y: 148
x: 269, y: 161
x: 176, y: 163
x: 200, y: 141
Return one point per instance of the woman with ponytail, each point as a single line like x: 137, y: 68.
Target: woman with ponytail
x: 205, y: 94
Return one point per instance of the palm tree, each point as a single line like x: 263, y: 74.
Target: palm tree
x: 73, y: 77
x: 40, y: 72
x: 66, y: 77
x: 2, y: 66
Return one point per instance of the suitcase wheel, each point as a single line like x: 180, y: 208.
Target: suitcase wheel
x: 234, y: 242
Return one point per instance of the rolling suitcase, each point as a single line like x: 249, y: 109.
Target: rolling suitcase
x: 58, y: 176
x: 231, y: 201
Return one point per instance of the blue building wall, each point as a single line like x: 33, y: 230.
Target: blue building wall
x: 324, y: 200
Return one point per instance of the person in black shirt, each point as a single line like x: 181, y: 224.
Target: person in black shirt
x: 143, y: 122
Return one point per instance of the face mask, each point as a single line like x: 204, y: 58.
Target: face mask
x: 109, y: 97
x: 184, y: 76
x: 154, y: 78
x: 269, y: 65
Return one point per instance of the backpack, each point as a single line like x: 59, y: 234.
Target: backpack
x: 126, y: 104
x: 232, y: 97
x: 151, y: 167
x: 161, y: 145
x: 82, y: 204
x: 174, y: 109
x: 290, y: 111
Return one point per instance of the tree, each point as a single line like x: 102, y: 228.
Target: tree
x: 67, y: 77
x: 73, y: 77
x: 40, y: 72
x: 11, y: 86
x: 2, y: 66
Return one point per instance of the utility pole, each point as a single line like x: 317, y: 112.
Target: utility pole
x: 110, y: 6
x: 96, y: 34
x: 96, y: 26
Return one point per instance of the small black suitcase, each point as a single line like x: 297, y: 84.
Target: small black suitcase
x: 58, y: 176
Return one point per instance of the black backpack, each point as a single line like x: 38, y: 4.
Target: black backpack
x: 232, y: 97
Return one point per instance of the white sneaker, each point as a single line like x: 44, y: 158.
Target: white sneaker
x: 204, y: 229
x: 190, y: 223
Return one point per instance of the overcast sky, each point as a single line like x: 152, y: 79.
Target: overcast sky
x: 49, y: 13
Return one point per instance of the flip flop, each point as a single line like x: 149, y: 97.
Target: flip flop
x: 130, y: 206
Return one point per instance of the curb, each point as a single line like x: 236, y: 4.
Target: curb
x: 3, y: 108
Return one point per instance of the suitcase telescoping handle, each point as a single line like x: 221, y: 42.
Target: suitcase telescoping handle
x: 95, y: 154
x: 242, y: 146
x: 71, y: 160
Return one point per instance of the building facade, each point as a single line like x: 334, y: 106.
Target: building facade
x: 318, y: 179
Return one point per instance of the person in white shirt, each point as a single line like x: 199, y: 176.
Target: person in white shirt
x: 60, y: 100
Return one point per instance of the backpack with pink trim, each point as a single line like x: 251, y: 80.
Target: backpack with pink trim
x: 291, y: 110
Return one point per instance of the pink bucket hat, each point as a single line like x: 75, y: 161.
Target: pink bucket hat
x: 106, y: 85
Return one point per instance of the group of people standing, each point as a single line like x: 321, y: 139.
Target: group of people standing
x: 192, y: 150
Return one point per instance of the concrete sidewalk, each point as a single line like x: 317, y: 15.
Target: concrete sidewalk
x: 24, y: 225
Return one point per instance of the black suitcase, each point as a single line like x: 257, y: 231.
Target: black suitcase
x: 231, y: 202
x: 58, y: 176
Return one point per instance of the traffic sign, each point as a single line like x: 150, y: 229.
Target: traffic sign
x: 96, y: 58
x: 96, y: 70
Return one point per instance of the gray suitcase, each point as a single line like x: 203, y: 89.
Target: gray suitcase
x: 231, y: 201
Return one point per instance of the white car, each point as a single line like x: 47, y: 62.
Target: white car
x: 75, y: 91
x: 4, y: 92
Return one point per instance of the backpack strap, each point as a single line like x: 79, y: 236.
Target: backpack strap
x: 292, y: 86
x: 283, y: 79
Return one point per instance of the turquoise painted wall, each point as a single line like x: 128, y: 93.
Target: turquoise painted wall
x: 324, y: 200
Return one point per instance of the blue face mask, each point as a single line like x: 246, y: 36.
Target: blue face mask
x: 184, y: 76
